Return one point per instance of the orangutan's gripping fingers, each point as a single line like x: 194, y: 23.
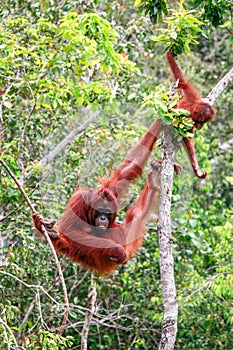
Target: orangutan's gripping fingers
x: 48, y: 225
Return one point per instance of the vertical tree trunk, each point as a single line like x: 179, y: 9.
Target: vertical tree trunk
x: 169, y: 326
x: 91, y: 302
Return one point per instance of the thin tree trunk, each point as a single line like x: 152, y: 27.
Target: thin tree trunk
x: 169, y: 325
x: 91, y: 306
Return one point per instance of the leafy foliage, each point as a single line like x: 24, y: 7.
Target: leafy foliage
x: 214, y: 10
x: 47, y: 341
x: 165, y: 110
x: 47, y: 75
x: 155, y: 8
x: 182, y: 29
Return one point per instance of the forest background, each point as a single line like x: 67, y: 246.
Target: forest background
x: 86, y: 67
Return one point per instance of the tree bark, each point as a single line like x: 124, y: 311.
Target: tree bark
x: 218, y: 89
x: 169, y: 325
x: 91, y: 306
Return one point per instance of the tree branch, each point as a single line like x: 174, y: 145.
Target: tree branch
x: 66, y: 312
x: 5, y: 325
x: 68, y: 139
x: 24, y: 194
x: 66, y: 303
x: 218, y: 89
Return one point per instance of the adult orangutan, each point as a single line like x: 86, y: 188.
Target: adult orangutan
x: 201, y: 112
x: 88, y: 232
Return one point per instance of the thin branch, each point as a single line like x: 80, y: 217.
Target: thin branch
x: 48, y: 173
x: 203, y: 287
x: 218, y: 89
x: 4, y: 324
x: 66, y: 303
x: 28, y: 313
x: 66, y: 313
x: 68, y: 139
x: 39, y: 308
x: 91, y: 301
x: 24, y: 194
x: 29, y: 285
x: 76, y: 285
x: 16, y: 208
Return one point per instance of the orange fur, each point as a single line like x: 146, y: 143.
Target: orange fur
x: 100, y: 249
x: 201, y: 112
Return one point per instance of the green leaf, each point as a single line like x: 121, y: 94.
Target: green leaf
x: 160, y: 38
x: 187, y: 48
x: 137, y: 3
